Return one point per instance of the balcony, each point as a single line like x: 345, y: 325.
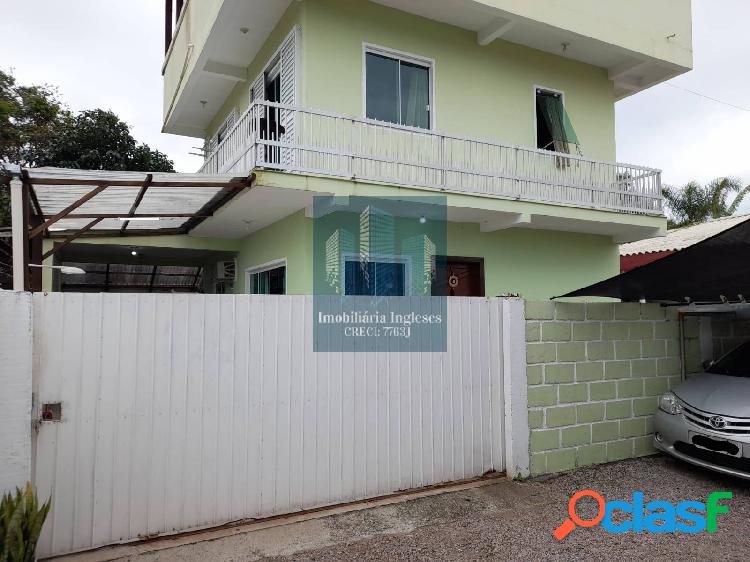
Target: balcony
x: 292, y: 139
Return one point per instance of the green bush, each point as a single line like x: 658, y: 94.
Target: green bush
x: 21, y: 521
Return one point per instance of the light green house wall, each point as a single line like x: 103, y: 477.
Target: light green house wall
x: 537, y: 264
x: 484, y: 92
x: 289, y: 238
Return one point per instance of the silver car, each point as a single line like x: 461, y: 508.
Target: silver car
x: 706, y: 419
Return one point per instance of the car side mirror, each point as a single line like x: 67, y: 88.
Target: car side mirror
x: 707, y: 364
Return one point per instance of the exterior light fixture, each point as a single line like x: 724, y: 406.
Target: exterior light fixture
x: 68, y: 269
x: 133, y: 253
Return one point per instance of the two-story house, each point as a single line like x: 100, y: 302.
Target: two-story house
x: 504, y: 107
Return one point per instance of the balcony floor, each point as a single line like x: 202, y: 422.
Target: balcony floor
x: 276, y: 195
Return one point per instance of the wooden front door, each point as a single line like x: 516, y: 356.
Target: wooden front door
x: 459, y: 277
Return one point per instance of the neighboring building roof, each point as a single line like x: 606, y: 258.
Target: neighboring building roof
x: 680, y: 238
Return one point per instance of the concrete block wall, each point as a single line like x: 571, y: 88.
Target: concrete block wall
x: 594, y: 374
x: 15, y: 389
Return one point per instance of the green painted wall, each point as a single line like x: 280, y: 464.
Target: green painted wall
x: 289, y: 238
x: 537, y: 264
x: 484, y: 92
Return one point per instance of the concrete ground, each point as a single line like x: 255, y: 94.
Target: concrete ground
x: 501, y: 521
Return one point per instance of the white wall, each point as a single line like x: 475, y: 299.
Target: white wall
x: 15, y: 389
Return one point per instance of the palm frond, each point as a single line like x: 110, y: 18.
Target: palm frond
x: 738, y: 200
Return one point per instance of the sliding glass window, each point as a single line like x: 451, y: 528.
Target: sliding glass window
x: 268, y: 282
x: 397, y: 91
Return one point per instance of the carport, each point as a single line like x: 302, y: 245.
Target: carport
x: 118, y: 268
x: 708, y: 282
x: 67, y: 205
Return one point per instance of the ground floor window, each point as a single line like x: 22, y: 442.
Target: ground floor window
x: 375, y: 278
x: 269, y: 279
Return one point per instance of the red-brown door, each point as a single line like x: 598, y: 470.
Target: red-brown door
x: 459, y: 277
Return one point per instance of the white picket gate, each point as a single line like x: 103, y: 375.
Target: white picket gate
x: 187, y: 411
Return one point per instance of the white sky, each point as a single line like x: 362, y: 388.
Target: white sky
x: 108, y: 54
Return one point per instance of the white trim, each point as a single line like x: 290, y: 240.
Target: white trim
x: 402, y: 56
x: 269, y: 265
x: 355, y: 257
x: 19, y: 236
x: 537, y: 87
x: 515, y: 392
x: 295, y: 35
x: 175, y: 32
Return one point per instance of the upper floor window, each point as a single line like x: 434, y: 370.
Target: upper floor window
x: 554, y: 130
x: 397, y: 89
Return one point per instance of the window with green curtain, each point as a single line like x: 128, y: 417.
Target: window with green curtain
x: 397, y: 91
x: 554, y: 129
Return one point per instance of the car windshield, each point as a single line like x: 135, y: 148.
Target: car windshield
x: 736, y: 363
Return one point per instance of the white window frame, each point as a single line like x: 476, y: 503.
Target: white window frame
x: 533, y: 101
x: 405, y: 57
x: 250, y: 271
x: 355, y: 257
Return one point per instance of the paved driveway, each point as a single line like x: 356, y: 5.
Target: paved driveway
x: 503, y: 521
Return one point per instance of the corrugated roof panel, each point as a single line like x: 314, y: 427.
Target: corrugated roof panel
x: 680, y: 238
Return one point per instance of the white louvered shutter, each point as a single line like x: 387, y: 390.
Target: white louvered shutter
x: 288, y: 56
x: 230, y: 121
x: 258, y: 88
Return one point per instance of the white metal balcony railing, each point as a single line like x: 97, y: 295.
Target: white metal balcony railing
x: 276, y: 136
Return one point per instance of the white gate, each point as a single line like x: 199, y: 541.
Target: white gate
x: 186, y: 411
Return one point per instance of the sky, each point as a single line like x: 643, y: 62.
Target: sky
x: 108, y: 54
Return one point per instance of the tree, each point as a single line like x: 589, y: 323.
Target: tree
x: 37, y: 130
x: 695, y: 203
x: 98, y: 140
x: 29, y: 118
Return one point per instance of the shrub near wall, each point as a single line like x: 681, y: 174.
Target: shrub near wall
x: 595, y: 371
